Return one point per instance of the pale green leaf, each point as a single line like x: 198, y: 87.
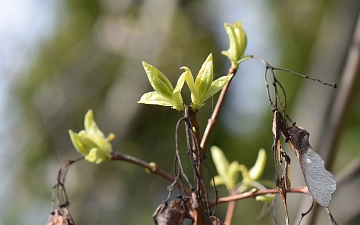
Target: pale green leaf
x: 245, y: 173
x: 232, y: 174
x: 82, y: 144
x: 220, y: 161
x: 234, y: 45
x: 218, y: 181
x: 265, y: 198
x: 216, y: 86
x: 159, y: 81
x: 177, y: 100
x: 257, y: 170
x: 154, y: 98
x: 241, y: 37
x: 190, y: 82
x: 97, y: 155
x: 91, y: 128
x: 205, y: 77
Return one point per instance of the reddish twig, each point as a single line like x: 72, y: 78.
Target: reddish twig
x: 212, y: 121
x: 153, y: 168
x: 253, y: 194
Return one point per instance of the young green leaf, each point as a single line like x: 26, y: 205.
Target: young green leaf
x: 205, y: 77
x: 204, y: 87
x: 257, y: 170
x: 232, y: 174
x: 81, y: 143
x: 220, y: 161
x: 91, y: 142
x: 153, y: 98
x: 216, y: 86
x: 265, y: 198
x: 164, y: 93
x: 238, y: 42
x: 159, y: 81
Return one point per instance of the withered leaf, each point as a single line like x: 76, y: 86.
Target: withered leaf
x: 320, y: 182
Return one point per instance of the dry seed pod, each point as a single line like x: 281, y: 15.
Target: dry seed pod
x: 60, y: 217
x: 320, y: 182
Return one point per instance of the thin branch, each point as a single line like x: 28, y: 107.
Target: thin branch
x: 184, y: 119
x: 253, y: 194
x: 154, y: 169
x: 274, y: 104
x: 212, y: 121
x: 308, y: 211
x: 59, y: 194
x: 230, y: 210
x: 307, y: 77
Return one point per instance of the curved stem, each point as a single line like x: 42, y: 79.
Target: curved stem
x: 154, y: 169
x: 212, y: 121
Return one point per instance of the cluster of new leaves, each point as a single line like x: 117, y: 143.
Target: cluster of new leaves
x: 203, y: 87
x: 229, y: 173
x: 238, y: 42
x: 92, y: 142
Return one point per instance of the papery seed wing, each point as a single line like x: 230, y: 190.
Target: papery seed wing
x: 320, y: 182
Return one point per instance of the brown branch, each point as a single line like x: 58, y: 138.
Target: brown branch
x: 200, y: 152
x: 230, y: 210
x: 253, y: 194
x: 212, y: 121
x: 153, y: 168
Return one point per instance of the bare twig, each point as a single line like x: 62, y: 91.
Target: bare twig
x: 212, y: 121
x: 306, y: 76
x: 59, y: 193
x: 154, y: 169
x: 308, y: 211
x: 230, y: 210
x: 253, y: 194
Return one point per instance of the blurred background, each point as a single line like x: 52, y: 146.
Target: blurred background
x: 60, y: 58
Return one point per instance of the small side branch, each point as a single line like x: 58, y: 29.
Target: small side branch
x: 212, y: 121
x: 253, y: 194
x: 153, y: 168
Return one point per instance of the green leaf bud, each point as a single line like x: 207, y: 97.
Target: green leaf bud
x: 265, y: 198
x: 232, y: 174
x: 220, y: 161
x: 205, y: 77
x: 238, y: 42
x: 91, y: 142
x: 154, y: 98
x: 257, y: 170
x: 159, y: 81
x: 97, y: 155
x: 218, y: 181
x: 216, y: 86
x: 81, y: 143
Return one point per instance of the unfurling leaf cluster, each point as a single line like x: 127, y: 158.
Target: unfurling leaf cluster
x: 229, y: 173
x: 238, y: 42
x: 92, y: 142
x: 201, y: 89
